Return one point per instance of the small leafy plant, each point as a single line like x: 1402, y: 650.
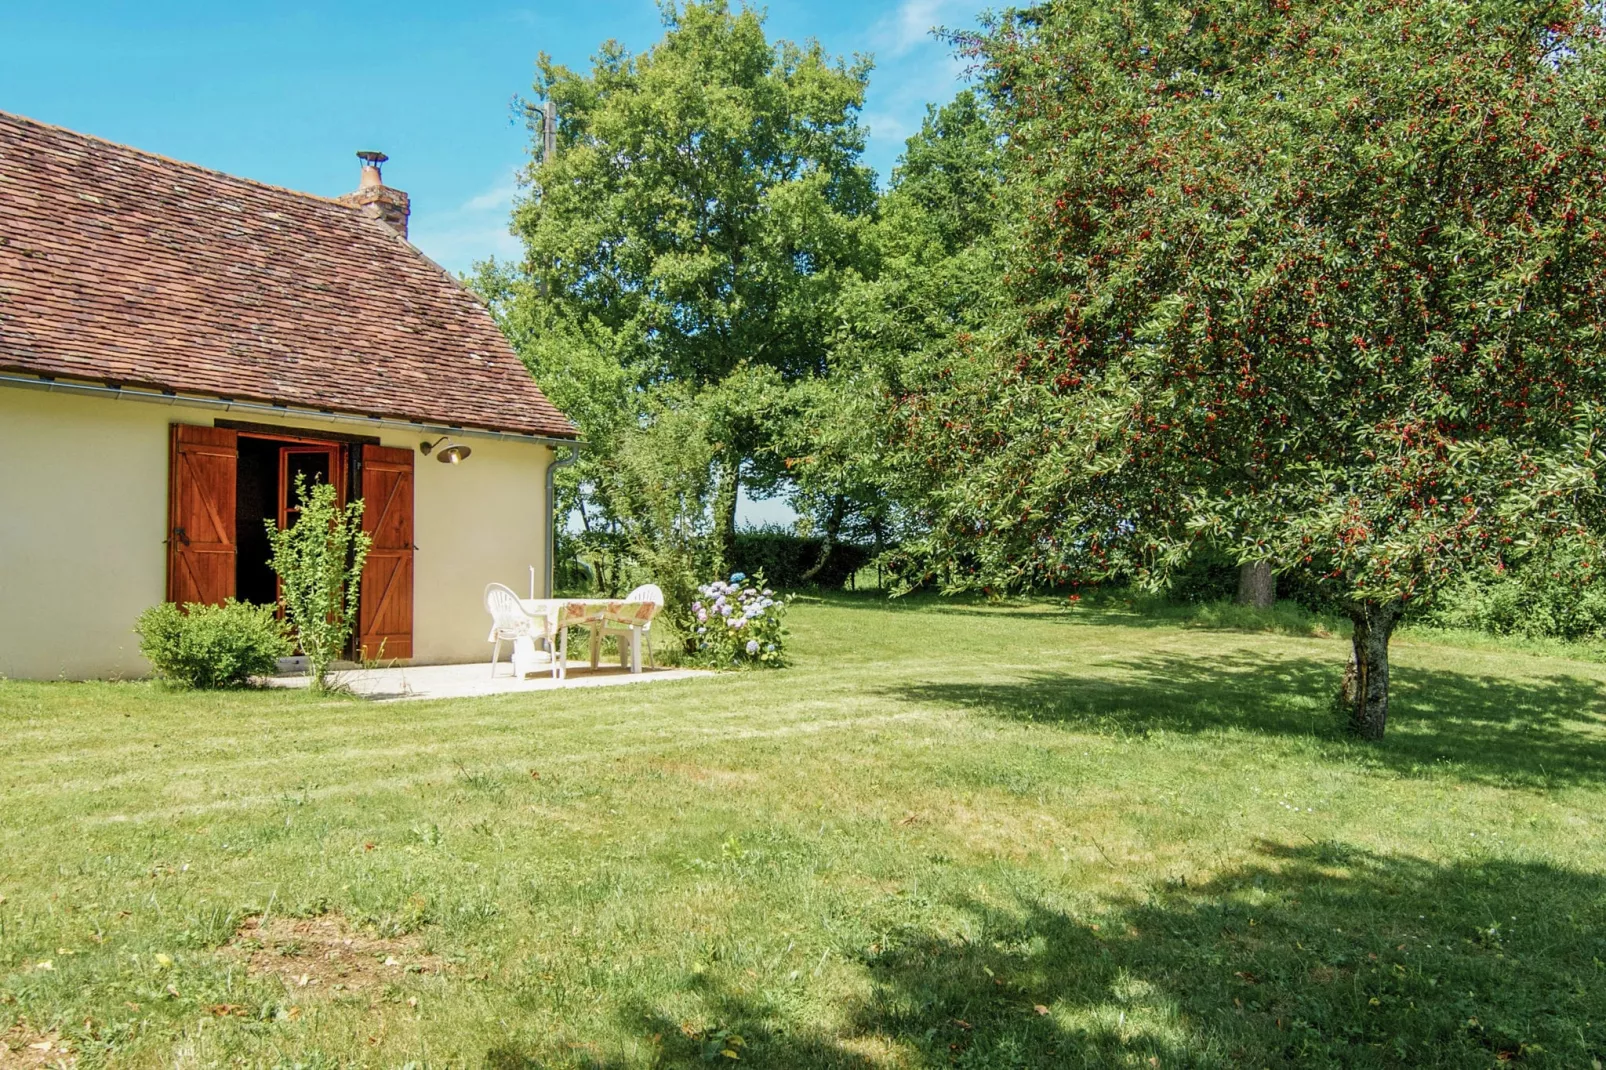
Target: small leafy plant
x: 206, y: 646
x: 319, y: 559
x: 739, y: 623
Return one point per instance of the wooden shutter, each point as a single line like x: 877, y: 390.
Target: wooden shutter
x: 200, y: 514
x: 386, y: 619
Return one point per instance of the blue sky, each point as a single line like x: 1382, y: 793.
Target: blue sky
x: 286, y: 93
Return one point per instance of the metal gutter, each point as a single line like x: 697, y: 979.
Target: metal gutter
x: 121, y: 393
x: 551, y: 507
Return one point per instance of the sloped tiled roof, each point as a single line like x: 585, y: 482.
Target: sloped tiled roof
x: 122, y: 267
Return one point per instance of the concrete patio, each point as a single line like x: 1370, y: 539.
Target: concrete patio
x: 467, y: 681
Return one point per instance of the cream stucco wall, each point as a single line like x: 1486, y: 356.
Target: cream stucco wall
x: 83, y: 516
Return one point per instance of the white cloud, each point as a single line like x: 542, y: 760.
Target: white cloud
x: 475, y: 230
x: 498, y: 199
x: 902, y: 86
x: 887, y: 128
x: 459, y: 248
x: 911, y: 24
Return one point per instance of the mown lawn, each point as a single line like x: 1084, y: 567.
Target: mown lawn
x: 949, y: 835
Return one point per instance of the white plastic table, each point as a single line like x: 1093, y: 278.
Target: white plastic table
x: 594, y: 613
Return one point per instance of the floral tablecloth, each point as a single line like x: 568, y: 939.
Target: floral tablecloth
x: 594, y: 613
x: 579, y: 611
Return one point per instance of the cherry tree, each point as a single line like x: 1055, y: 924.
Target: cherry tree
x: 1318, y: 281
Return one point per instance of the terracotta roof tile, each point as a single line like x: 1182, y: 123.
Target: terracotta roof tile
x: 124, y: 267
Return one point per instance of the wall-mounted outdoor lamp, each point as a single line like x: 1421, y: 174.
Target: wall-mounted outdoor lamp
x: 453, y: 454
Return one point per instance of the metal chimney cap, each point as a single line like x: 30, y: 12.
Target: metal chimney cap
x: 372, y: 158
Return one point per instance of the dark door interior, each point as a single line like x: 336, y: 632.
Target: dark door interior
x: 265, y: 493
x: 315, y: 464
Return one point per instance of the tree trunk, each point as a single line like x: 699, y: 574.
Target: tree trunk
x: 833, y: 527
x: 1365, y: 691
x: 1256, y: 585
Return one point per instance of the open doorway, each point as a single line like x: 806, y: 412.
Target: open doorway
x: 227, y: 481
x: 265, y: 482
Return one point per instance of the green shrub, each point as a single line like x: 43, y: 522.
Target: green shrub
x: 1554, y: 594
x: 1208, y: 575
x: 212, y: 646
x: 319, y: 560
x: 738, y: 624
x: 787, y: 558
x: 661, y: 488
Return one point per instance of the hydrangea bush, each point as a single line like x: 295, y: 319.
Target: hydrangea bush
x: 739, y: 622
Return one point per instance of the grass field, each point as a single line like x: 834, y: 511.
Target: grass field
x: 950, y: 835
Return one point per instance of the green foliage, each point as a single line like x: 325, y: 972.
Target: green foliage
x: 739, y: 623
x: 1273, y: 292
x: 792, y: 561
x: 935, y: 280
x: 1313, y: 282
x: 1208, y: 575
x: 692, y: 234
x: 1550, y: 595
x: 206, y: 646
x: 319, y: 560
x: 661, y: 482
x: 702, y: 200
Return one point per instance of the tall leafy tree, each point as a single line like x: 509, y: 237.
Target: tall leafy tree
x: 932, y: 276
x: 692, y: 232
x: 1317, y: 280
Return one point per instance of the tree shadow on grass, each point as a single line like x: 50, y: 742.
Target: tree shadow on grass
x: 1534, y: 732
x: 1318, y: 955
x: 753, y: 1028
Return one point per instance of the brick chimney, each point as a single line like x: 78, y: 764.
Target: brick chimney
x: 373, y: 198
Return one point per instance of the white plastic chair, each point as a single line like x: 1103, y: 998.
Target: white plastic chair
x: 630, y: 656
x: 510, y: 622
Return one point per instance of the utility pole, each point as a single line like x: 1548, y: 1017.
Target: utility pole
x: 549, y: 151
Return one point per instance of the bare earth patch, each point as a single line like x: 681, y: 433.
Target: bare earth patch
x: 23, y: 1049
x: 326, y: 954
